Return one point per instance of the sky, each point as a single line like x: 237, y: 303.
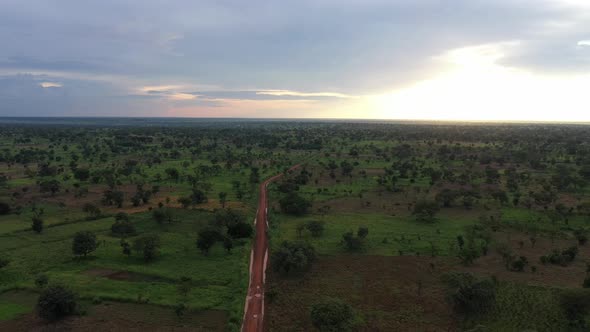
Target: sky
x: 514, y: 60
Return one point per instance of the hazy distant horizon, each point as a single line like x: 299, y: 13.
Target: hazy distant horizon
x: 17, y: 119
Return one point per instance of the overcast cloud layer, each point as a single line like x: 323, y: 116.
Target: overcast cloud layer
x: 264, y: 58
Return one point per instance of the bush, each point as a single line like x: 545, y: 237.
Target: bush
x: 292, y: 257
x: 123, y: 229
x: 581, y: 236
x: 351, y: 242
x: 576, y: 304
x: 3, y: 262
x: 84, y: 243
x: 562, y: 258
x: 425, y: 211
x: 41, y: 280
x: 468, y: 255
x: 148, y: 246
x: 162, y: 215
x: 37, y: 224
x: 362, y: 232
x: 207, y: 238
x: 332, y: 315
x: 4, y: 208
x: 122, y: 216
x: 56, y: 302
x: 315, y: 227
x: 294, y: 204
x: 468, y: 295
x: 354, y: 243
x: 519, y: 264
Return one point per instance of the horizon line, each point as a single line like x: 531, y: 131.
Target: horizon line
x: 584, y: 122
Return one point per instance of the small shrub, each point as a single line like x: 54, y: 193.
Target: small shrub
x: 576, y: 304
x: 519, y: 264
x: 362, y: 232
x: 293, y: 257
x: 332, y: 315
x: 3, y: 262
x: 41, y: 280
x: 562, y: 258
x: 315, y: 227
x: 56, y: 302
x: 123, y: 229
x: 84, y: 243
x: 148, y: 246
x: 469, y: 295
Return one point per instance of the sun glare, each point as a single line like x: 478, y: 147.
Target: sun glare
x: 477, y: 87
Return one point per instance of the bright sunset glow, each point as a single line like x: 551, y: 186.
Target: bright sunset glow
x: 477, y: 88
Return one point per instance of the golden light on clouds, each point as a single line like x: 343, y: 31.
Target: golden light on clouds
x: 303, y: 94
x: 50, y: 85
x: 478, y: 88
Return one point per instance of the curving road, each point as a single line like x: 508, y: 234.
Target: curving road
x: 254, y: 309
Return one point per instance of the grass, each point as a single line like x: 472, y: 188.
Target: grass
x: 12, y: 310
x: 219, y: 280
x: 387, y: 235
x: 524, y: 308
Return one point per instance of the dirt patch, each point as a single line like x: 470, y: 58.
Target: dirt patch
x: 391, y: 293
x: 112, y: 316
x: 123, y: 275
x: 371, y: 202
x: 571, y: 276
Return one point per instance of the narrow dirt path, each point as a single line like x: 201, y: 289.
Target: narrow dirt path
x: 254, y: 309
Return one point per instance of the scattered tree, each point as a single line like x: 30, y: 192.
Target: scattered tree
x: 84, y: 243
x: 332, y: 315
x: 56, y: 302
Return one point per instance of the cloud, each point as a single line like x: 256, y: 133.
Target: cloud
x: 155, y: 55
x: 584, y: 43
x: 303, y: 94
x: 50, y: 85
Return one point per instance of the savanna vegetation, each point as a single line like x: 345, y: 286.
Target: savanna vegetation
x: 384, y: 226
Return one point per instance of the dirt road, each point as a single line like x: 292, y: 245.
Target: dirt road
x: 254, y: 310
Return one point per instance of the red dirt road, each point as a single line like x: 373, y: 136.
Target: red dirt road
x: 254, y: 309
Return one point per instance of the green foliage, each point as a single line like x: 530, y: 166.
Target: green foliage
x: 52, y: 186
x: 207, y: 238
x: 294, y: 204
x: 41, y: 280
x: 92, y: 210
x: 235, y: 222
x: 198, y: 196
x: 228, y: 243
x: 576, y: 304
x: 562, y: 258
x: 148, y: 246
x: 56, y: 302
x: 4, y: 208
x: 332, y: 315
x: 362, y: 232
x: 293, y: 257
x: 468, y: 255
x: 81, y: 174
x: 468, y: 295
x: 84, y: 243
x: 3, y: 262
x: 315, y: 227
x: 425, y: 211
x: 162, y: 215
x: 37, y: 224
x: 123, y: 229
